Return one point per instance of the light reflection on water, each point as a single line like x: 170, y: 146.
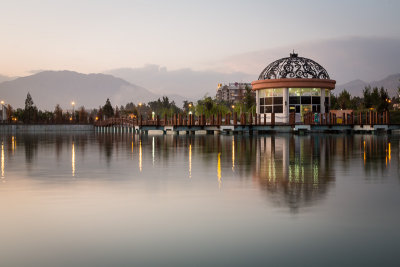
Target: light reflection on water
x: 199, y: 200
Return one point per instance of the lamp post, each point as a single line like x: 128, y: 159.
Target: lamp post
x: 139, y: 107
x: 73, y: 110
x: 2, y: 110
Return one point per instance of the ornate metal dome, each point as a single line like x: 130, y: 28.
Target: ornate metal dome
x: 294, y: 67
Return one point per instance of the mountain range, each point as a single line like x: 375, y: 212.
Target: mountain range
x: 49, y: 88
x: 356, y: 87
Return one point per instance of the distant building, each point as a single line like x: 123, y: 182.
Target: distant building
x: 232, y: 92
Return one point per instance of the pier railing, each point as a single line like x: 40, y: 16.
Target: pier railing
x: 248, y: 119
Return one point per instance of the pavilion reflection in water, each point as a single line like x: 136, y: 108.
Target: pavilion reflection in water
x: 295, y: 171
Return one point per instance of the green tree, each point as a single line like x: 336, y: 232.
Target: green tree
x: 249, y: 99
x: 383, y: 100
x: 116, y: 112
x: 83, y: 115
x: 108, y: 110
x: 30, y: 109
x: 367, y: 97
x: 344, y: 100
x: 334, y: 102
x: 9, y: 112
x: 99, y: 114
x: 58, y: 114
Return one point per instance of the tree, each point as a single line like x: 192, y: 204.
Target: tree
x: 357, y: 103
x: 383, y: 100
x: 116, y: 112
x: 30, y: 109
x: 58, y: 114
x: 249, y: 100
x: 108, y: 110
x: 82, y: 115
x: 344, y: 100
x: 100, y: 114
x: 334, y: 102
x: 9, y: 113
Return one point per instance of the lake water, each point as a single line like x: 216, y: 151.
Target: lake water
x: 129, y: 200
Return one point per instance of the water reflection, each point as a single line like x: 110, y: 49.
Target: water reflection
x: 290, y: 171
x: 2, y: 160
x: 295, y: 171
x: 73, y: 159
x: 190, y: 160
x: 140, y: 155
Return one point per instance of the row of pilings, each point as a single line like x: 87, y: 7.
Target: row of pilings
x: 332, y: 118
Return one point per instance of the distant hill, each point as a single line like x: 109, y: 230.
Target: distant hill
x: 49, y: 88
x: 5, y: 78
x: 356, y: 87
x: 190, y: 83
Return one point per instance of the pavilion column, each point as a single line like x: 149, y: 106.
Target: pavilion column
x: 257, y: 103
x: 322, y: 101
x: 286, y: 105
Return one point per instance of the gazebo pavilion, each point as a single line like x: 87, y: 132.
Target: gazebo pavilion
x: 292, y: 84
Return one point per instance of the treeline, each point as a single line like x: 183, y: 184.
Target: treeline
x: 160, y: 107
x: 31, y: 114
x: 163, y: 106
x: 373, y: 98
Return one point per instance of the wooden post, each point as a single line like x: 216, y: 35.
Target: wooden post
x: 387, y: 117
x: 250, y: 118
x: 235, y: 118
x: 265, y: 119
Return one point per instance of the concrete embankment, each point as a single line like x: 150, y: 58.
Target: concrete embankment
x: 42, y: 128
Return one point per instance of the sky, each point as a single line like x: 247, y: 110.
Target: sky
x: 91, y: 36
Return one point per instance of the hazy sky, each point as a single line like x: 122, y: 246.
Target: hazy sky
x: 97, y: 35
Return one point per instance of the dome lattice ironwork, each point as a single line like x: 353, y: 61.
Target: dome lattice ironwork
x: 294, y: 67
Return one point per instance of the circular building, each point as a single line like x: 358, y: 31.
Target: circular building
x: 293, y: 84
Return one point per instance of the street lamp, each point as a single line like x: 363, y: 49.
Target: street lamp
x: 73, y: 109
x: 190, y: 107
x: 139, y: 107
x: 3, y: 110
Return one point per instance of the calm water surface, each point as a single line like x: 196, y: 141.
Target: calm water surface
x: 129, y: 200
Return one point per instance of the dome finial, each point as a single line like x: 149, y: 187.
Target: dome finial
x: 293, y: 54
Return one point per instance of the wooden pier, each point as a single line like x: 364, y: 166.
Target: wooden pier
x: 361, y: 122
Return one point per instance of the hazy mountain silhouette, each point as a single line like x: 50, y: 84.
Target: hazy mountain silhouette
x: 5, y: 78
x: 187, y: 82
x: 49, y: 88
x: 345, y: 58
x: 356, y: 87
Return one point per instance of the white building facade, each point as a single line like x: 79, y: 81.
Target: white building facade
x: 292, y: 84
